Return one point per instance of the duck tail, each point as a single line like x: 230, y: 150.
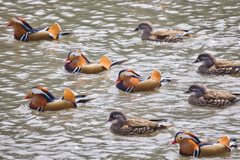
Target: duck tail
x: 85, y: 100
x: 54, y: 30
x: 237, y: 99
x: 233, y: 144
x: 167, y: 80
x: 118, y: 62
x: 105, y: 62
x: 165, y: 127
x: 156, y: 76
x: 159, y: 120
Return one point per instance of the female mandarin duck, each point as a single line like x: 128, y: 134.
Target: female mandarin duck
x: 123, y: 126
x: 212, y: 67
x: 43, y: 100
x: 210, y: 98
x: 24, y: 32
x: 130, y: 81
x: 80, y: 64
x: 190, y: 145
x: 161, y: 35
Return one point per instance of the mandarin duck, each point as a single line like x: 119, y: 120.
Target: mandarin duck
x: 161, y: 35
x: 124, y: 126
x: 43, y: 100
x: 190, y: 145
x: 24, y: 32
x: 80, y: 64
x: 201, y: 96
x: 212, y: 67
x: 130, y: 81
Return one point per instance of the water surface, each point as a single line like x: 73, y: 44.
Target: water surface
x: 105, y: 28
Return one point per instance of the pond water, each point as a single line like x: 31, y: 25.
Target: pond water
x: 105, y: 28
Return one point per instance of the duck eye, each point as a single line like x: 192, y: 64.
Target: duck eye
x: 115, y: 115
x: 12, y: 21
x: 124, y: 75
x: 32, y: 93
x: 202, y: 57
x: 142, y: 25
x: 74, y: 55
x: 180, y: 137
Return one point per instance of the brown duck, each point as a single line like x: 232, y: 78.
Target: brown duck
x: 201, y: 96
x: 24, y: 32
x: 161, y: 35
x: 190, y: 145
x: 80, y: 64
x: 212, y: 67
x: 43, y: 100
x: 123, y: 126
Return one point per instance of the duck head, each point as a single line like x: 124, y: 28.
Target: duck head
x: 119, y: 116
x: 77, y: 57
x: 123, y: 74
x: 40, y: 92
x: 145, y: 25
x: 188, y: 143
x: 17, y: 22
x: 207, y: 59
x: 197, y: 90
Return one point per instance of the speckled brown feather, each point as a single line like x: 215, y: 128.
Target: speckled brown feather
x: 215, y: 94
x: 221, y: 67
x: 208, y: 102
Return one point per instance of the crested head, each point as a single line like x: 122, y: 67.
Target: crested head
x: 180, y: 136
x: 15, y: 21
x: 145, y: 25
x: 40, y: 91
x: 119, y: 116
x: 126, y: 73
x: 207, y: 59
x: 197, y: 90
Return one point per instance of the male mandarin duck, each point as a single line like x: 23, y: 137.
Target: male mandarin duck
x: 80, y: 64
x: 190, y: 145
x: 212, y: 67
x: 210, y: 98
x: 24, y: 32
x: 161, y: 35
x: 43, y: 100
x: 130, y: 81
x: 123, y: 126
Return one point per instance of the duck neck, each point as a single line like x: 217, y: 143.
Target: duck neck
x: 19, y: 31
x: 121, y: 121
x: 189, y: 148
x: 146, y: 33
x: 38, y: 101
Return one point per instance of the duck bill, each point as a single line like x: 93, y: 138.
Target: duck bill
x: 8, y: 25
x: 109, y: 119
x: 118, y: 80
x: 26, y: 97
x: 173, y: 142
x: 136, y: 29
x: 66, y: 60
x: 196, y: 61
x: 186, y: 92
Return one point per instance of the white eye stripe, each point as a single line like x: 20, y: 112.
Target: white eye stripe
x: 39, y: 91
